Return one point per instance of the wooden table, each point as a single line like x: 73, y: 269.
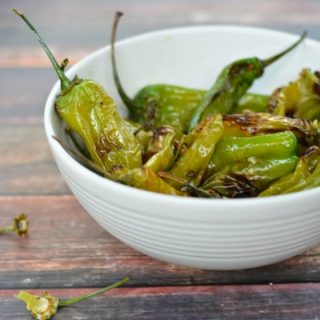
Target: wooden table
x: 66, y: 251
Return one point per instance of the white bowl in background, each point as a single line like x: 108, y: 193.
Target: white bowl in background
x: 202, y: 233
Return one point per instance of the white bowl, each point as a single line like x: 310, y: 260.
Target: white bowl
x: 203, y: 233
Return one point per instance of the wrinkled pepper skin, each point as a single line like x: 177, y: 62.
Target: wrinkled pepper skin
x: 238, y: 149
x: 146, y: 179
x: 163, y: 104
x: 232, y: 83
x: 252, y: 102
x: 88, y: 110
x: 250, y: 124
x: 162, y: 149
x: 196, y: 157
x: 303, y: 169
x: 312, y: 181
x: 248, y: 178
x: 299, y: 99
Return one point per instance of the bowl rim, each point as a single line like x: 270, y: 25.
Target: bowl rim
x: 139, y: 193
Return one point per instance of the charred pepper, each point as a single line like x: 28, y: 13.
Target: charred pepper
x: 88, y: 110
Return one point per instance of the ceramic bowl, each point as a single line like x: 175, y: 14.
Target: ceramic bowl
x: 203, y: 233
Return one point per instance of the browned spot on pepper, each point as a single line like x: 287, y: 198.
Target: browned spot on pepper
x: 103, y: 146
x: 316, y: 88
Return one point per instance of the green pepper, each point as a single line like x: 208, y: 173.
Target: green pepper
x: 232, y: 83
x: 252, y: 102
x: 162, y: 149
x: 299, y: 99
x: 249, y: 177
x: 303, y: 169
x: 163, y: 104
x: 195, y: 158
x: 142, y: 178
x: 88, y: 110
x: 146, y: 179
x: 249, y: 124
x: 237, y: 149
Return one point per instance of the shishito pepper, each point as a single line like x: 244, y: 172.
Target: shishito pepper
x: 250, y: 124
x: 236, y: 149
x: 241, y: 166
x: 89, y: 111
x: 299, y: 99
x: 143, y: 178
x: 162, y: 148
x: 201, y: 145
x: 232, y: 83
x: 252, y: 102
x: 249, y: 177
x: 304, y: 168
x: 163, y: 104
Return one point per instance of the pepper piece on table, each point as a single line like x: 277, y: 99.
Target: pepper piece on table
x: 20, y: 226
x: 232, y: 83
x: 45, y: 306
x: 299, y: 99
x: 88, y: 110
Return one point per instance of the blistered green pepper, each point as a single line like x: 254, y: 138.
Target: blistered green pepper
x: 248, y: 178
x: 237, y: 149
x: 232, y: 83
x: 300, y: 98
x: 303, y: 169
x: 143, y: 178
x: 162, y: 149
x: 252, y: 102
x: 194, y: 160
x: 249, y: 124
x: 163, y: 104
x: 88, y: 110
x: 146, y: 179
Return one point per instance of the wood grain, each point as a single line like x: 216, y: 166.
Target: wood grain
x: 297, y: 302
x: 66, y: 248
x: 66, y: 37
x: 26, y: 163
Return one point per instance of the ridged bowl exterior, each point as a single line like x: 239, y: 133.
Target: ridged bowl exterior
x: 203, y: 233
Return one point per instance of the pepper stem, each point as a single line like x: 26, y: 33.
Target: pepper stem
x: 7, y: 229
x: 65, y: 82
x: 125, y: 98
x: 276, y: 57
x: 70, y: 301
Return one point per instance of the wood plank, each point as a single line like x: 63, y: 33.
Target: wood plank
x: 141, y: 16
x: 294, y: 302
x: 66, y: 248
x: 26, y: 163
x: 23, y: 95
